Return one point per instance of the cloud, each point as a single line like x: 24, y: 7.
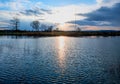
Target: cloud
x: 46, y: 11
x: 16, y: 5
x: 30, y: 12
x: 107, y: 3
x: 25, y: 9
x: 2, y: 23
x: 93, y: 14
x: 55, y: 14
x: 99, y: 1
x: 104, y: 16
x: 36, y: 13
x: 63, y: 14
x: 59, y: 14
x: 88, y: 28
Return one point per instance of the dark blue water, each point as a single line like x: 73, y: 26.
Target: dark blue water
x: 60, y: 60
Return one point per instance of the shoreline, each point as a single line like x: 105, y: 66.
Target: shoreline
x: 58, y: 33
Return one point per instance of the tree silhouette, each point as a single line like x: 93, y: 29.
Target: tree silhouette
x: 50, y: 28
x: 15, y: 23
x: 57, y: 29
x: 35, y: 25
x: 78, y: 29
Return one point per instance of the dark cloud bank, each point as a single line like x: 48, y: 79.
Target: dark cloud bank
x: 105, y: 16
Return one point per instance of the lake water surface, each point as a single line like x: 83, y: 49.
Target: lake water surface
x: 60, y: 60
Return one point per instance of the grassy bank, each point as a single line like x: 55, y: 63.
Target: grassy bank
x: 60, y: 33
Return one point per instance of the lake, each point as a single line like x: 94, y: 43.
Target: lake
x: 59, y: 60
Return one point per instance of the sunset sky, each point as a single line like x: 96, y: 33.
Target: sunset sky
x: 87, y: 14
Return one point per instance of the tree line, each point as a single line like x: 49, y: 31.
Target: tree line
x: 15, y: 23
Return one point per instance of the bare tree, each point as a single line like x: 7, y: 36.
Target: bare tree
x: 50, y: 28
x: 57, y: 29
x: 78, y: 29
x: 35, y: 25
x: 15, y: 23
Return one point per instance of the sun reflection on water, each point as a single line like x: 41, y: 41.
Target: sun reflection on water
x: 61, y: 51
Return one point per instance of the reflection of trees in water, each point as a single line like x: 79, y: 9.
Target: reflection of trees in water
x: 12, y: 45
x: 31, y: 47
x: 5, y: 48
x: 36, y: 47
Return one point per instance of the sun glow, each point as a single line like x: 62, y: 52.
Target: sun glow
x: 66, y: 26
x: 62, y: 26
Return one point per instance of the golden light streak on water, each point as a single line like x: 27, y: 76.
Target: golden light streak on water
x: 61, y: 52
